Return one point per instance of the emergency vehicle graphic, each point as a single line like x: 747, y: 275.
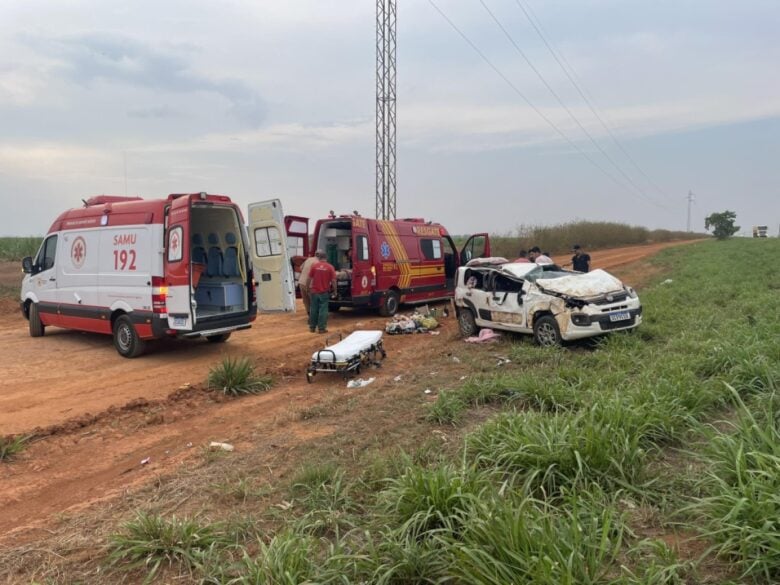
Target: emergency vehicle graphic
x: 183, y: 266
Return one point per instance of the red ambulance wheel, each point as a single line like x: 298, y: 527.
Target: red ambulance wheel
x: 36, y: 325
x: 126, y: 340
x: 221, y: 338
x: 389, y: 304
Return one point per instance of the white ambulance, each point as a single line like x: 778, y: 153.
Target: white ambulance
x: 184, y: 266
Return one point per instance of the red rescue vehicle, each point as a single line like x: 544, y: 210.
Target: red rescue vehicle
x: 381, y: 264
x: 184, y: 266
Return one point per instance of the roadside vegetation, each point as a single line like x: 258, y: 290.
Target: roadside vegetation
x: 643, y: 458
x: 559, y: 238
x: 11, y: 446
x: 14, y: 249
x: 236, y: 377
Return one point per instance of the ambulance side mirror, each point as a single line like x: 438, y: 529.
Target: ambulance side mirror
x: 27, y: 265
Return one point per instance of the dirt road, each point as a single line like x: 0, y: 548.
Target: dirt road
x: 98, y: 415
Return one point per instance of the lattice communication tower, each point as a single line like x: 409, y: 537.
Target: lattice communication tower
x: 385, y: 108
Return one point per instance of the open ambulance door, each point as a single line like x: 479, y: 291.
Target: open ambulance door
x: 298, y: 246
x: 270, y: 257
x: 477, y: 246
x: 178, y: 267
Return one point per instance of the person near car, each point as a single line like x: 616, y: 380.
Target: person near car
x: 304, y: 278
x: 580, y: 261
x: 535, y: 255
x: 522, y: 256
x: 321, y: 281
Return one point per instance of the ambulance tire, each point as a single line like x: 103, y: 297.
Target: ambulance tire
x: 126, y: 340
x: 221, y: 338
x: 333, y: 307
x: 390, y: 304
x: 36, y: 325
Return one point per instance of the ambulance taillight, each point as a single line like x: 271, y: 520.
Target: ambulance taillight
x: 159, y: 295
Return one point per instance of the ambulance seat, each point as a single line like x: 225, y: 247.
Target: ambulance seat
x: 214, y: 258
x: 230, y: 266
x: 198, y: 251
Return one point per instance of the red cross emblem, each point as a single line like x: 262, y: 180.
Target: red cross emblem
x: 78, y: 252
x: 174, y: 241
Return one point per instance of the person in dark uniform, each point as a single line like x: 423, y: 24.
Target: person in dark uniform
x: 580, y: 261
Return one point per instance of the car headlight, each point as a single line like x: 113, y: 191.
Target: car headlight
x: 580, y: 319
x: 631, y: 292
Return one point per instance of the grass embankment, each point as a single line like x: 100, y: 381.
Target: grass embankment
x: 602, y: 466
x: 14, y: 249
x: 592, y: 235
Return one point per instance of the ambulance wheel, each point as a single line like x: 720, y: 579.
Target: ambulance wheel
x: 467, y: 323
x: 221, y: 338
x: 546, y: 331
x: 389, y: 304
x: 126, y: 340
x: 333, y: 307
x: 36, y: 325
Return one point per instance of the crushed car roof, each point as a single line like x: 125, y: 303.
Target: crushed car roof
x: 591, y: 284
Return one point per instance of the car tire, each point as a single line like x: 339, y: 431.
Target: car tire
x: 126, y: 340
x: 221, y: 338
x: 546, y: 331
x: 390, y: 304
x: 467, y: 323
x: 37, y: 328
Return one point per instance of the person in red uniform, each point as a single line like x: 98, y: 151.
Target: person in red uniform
x: 320, y: 281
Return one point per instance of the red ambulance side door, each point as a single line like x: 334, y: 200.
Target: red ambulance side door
x: 477, y: 246
x: 298, y: 248
x: 363, y: 280
x: 178, y: 270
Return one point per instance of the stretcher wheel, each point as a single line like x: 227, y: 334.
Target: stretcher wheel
x: 310, y: 376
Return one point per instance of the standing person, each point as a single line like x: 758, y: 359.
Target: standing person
x: 303, y: 277
x: 321, y: 280
x: 522, y: 256
x: 580, y: 261
x: 535, y: 255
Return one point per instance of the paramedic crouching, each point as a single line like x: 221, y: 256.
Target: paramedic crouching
x: 320, y: 281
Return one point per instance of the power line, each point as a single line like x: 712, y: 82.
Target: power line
x: 528, y: 102
x: 537, y: 27
x: 563, y: 105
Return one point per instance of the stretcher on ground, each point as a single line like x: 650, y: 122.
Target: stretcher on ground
x: 358, y: 349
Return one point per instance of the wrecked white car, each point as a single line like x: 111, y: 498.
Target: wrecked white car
x: 553, y: 304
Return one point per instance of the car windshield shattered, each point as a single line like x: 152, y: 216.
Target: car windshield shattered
x: 547, y: 271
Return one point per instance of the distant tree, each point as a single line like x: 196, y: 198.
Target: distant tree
x: 722, y: 224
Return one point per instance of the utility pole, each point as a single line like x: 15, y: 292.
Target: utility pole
x: 385, y: 108
x: 690, y: 201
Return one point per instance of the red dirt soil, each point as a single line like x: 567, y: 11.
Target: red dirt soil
x: 95, y: 416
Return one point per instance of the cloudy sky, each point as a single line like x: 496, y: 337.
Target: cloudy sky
x: 260, y: 99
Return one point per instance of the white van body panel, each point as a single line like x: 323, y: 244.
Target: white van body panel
x: 270, y: 257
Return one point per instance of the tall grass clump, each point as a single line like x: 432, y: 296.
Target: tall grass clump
x: 741, y: 505
x: 14, y: 249
x: 323, y: 501
x: 287, y: 559
x: 11, y: 446
x: 532, y: 542
x: 236, y: 377
x: 151, y: 542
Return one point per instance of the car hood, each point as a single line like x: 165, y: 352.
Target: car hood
x: 584, y: 286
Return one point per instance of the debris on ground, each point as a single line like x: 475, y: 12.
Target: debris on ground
x: 427, y: 391
x: 456, y: 359
x: 485, y: 336
x: 359, y: 382
x: 667, y: 281
x: 417, y: 322
x: 224, y: 446
x: 146, y: 460
x: 397, y: 378
x: 502, y: 360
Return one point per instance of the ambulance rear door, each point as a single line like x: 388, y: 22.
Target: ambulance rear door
x: 363, y: 277
x: 178, y: 268
x: 270, y: 257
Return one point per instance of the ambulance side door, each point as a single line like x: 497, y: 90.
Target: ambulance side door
x: 43, y: 280
x: 297, y: 231
x: 270, y: 258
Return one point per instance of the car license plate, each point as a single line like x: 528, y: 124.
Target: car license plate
x: 179, y: 321
x: 621, y: 316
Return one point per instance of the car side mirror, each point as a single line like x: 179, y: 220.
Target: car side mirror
x: 27, y: 265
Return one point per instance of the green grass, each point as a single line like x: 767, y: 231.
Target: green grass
x: 561, y: 462
x: 236, y: 377
x: 11, y: 446
x: 14, y: 249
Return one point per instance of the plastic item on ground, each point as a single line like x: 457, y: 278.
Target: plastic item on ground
x: 415, y: 323
x: 485, y: 336
x: 359, y: 382
x: 223, y: 446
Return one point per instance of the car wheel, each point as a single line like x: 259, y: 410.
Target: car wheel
x: 221, y: 338
x: 467, y: 323
x: 126, y: 340
x: 546, y: 332
x: 37, y: 327
x: 390, y: 304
